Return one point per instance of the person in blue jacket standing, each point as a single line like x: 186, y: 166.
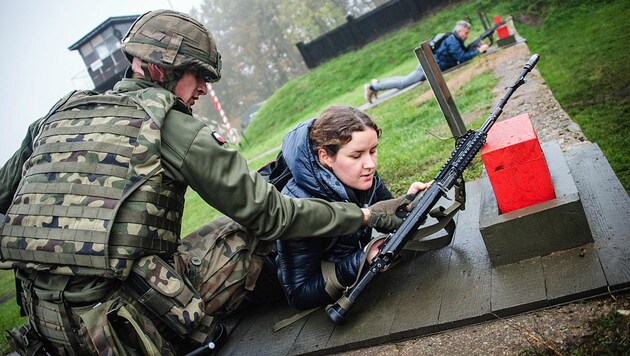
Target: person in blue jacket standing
x: 334, y: 158
x: 449, y: 53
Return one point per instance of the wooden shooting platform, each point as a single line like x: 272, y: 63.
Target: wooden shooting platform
x: 456, y: 286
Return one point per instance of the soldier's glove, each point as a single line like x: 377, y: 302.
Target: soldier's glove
x: 386, y: 215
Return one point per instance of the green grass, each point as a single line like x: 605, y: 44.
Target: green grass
x: 406, y: 126
x: 9, y: 311
x: 9, y: 319
x: 586, y: 63
x: 584, y: 60
x: 7, y: 284
x: 341, y: 80
x: 611, y: 336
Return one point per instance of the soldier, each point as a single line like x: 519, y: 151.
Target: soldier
x: 94, y: 200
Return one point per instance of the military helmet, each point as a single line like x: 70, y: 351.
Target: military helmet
x: 173, y: 40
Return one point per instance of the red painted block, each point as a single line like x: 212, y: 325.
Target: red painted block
x: 516, y: 165
x: 503, y: 32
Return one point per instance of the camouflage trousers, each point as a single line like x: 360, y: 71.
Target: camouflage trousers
x: 222, y: 261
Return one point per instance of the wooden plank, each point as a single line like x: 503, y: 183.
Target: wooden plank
x: 238, y: 327
x: 607, y: 208
x: 573, y: 274
x: 314, y: 334
x: 258, y: 336
x: 466, y: 297
x: 421, y: 295
x: 442, y: 94
x: 457, y: 285
x: 414, y: 278
x: 518, y: 287
x: 370, y: 319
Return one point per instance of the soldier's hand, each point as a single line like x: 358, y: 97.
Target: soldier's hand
x: 383, y: 214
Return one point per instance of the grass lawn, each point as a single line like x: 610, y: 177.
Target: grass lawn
x: 587, y: 67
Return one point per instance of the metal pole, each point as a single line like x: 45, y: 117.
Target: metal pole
x: 440, y: 90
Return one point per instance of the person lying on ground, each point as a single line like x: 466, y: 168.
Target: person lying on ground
x: 450, y: 52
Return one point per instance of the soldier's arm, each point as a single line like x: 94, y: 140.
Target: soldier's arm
x: 221, y: 177
x: 11, y: 172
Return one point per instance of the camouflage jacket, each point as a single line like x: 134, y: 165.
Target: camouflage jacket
x: 192, y: 156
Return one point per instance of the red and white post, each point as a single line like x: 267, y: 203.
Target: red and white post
x: 217, y: 105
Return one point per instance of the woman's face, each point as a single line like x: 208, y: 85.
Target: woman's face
x: 355, y: 162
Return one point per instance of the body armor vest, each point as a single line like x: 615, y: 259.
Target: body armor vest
x: 92, y: 197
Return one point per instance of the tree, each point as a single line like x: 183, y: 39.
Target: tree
x: 257, y: 40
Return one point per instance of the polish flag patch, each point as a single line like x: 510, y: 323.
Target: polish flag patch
x: 218, y: 137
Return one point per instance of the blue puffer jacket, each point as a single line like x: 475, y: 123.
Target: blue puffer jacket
x: 299, y: 261
x: 453, y: 52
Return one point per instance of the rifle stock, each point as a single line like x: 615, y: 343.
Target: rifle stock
x: 450, y: 174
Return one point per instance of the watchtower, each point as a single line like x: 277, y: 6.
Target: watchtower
x: 100, y: 50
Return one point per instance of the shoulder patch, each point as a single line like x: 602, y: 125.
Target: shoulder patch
x: 218, y: 137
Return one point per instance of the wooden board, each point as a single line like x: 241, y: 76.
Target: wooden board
x: 467, y: 293
x: 608, y: 211
x: 518, y: 287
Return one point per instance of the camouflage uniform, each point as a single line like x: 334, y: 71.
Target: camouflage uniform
x: 93, y: 202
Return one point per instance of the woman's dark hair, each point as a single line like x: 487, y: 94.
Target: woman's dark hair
x: 335, y: 125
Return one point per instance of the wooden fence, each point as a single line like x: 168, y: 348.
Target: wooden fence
x: 355, y: 33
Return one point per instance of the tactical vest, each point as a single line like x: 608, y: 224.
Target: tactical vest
x: 92, y: 197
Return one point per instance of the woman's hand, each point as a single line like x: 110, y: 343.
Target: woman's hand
x: 415, y: 187
x: 373, y: 251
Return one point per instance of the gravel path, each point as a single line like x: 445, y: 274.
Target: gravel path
x: 534, y: 97
x: 549, y: 331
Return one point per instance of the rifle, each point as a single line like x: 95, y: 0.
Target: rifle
x: 488, y: 33
x: 451, y: 174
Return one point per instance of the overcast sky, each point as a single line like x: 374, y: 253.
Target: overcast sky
x: 36, y: 67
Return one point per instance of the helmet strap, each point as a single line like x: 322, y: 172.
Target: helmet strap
x: 140, y: 69
x: 170, y: 78
x: 166, y: 78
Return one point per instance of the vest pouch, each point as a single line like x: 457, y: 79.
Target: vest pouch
x: 169, y: 296
x: 115, y: 327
